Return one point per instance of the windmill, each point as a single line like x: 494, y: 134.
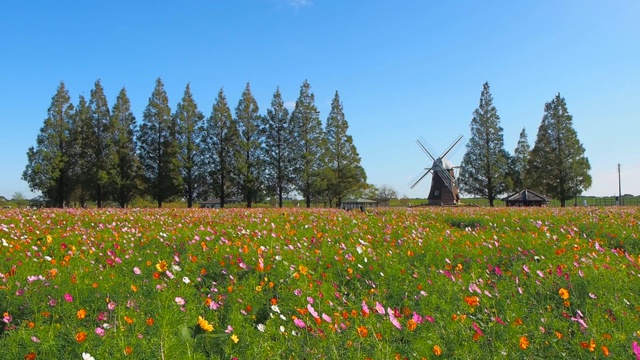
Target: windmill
x: 444, y: 187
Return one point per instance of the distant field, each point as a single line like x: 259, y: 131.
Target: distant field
x: 451, y: 283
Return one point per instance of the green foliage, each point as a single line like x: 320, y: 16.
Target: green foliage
x: 279, y: 149
x: 557, y: 164
x: 220, y: 135
x: 158, y: 148
x: 518, y: 163
x: 249, y: 149
x: 190, y: 122
x: 343, y: 173
x: 101, y: 134
x: 485, y: 164
x: 125, y: 175
x: 49, y: 163
x: 312, y: 141
x: 82, y: 146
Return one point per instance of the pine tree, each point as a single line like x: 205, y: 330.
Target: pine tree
x: 518, y: 163
x: 158, y: 152
x: 485, y: 164
x: 249, y: 154
x: 82, y: 152
x: 126, y: 171
x: 190, y: 121
x: 341, y: 157
x: 101, y: 146
x: 219, y: 138
x: 311, y: 141
x: 279, y: 148
x: 49, y: 166
x: 557, y: 164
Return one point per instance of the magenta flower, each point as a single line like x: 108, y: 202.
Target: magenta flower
x: 379, y: 308
x: 636, y: 350
x: 299, y: 323
x: 393, y: 319
x: 68, y: 297
x: 100, y: 331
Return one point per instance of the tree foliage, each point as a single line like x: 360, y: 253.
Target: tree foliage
x: 248, y: 151
x: 126, y: 171
x: 308, y: 153
x: 49, y: 165
x: 100, y: 140
x: 189, y: 121
x: 518, y: 163
x: 158, y: 150
x: 485, y: 163
x: 220, y: 135
x: 278, y: 148
x: 557, y: 165
x: 81, y: 149
x: 342, y: 161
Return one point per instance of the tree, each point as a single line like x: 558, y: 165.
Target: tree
x: 249, y: 154
x: 340, y: 156
x: 190, y: 121
x: 158, y: 150
x: 557, y: 164
x: 279, y: 148
x: 83, y: 156
x: 311, y: 141
x: 518, y: 163
x: 126, y: 170
x: 484, y: 166
x: 386, y: 193
x: 219, y: 137
x: 101, y: 144
x: 48, y: 163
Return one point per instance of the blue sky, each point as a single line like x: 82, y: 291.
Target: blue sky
x: 403, y: 69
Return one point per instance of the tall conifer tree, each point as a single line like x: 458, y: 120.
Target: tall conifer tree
x: 126, y: 171
x: 311, y: 140
x: 101, y: 144
x: 249, y: 153
x: 49, y: 166
x: 83, y: 156
x: 219, y: 140
x: 279, y: 148
x: 485, y: 164
x: 518, y: 163
x: 158, y: 150
x: 344, y: 173
x: 557, y: 164
x: 190, y: 121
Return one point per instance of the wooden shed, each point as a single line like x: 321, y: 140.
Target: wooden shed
x: 526, y: 198
x: 210, y: 204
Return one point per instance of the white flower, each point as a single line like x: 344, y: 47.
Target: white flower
x: 87, y: 356
x: 261, y: 327
x: 275, y: 308
x: 176, y: 268
x: 186, y: 280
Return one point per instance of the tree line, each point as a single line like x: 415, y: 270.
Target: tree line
x: 89, y: 152
x: 556, y: 166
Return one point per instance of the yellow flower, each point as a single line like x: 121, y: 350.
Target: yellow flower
x: 204, y: 324
x: 564, y: 293
x: 234, y: 338
x: 162, y: 266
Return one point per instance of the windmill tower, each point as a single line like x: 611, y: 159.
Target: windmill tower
x: 444, y: 187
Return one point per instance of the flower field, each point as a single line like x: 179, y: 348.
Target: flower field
x: 450, y: 283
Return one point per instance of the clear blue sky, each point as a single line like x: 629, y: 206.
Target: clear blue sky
x: 403, y: 69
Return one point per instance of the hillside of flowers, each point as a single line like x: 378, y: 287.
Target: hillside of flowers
x: 450, y: 283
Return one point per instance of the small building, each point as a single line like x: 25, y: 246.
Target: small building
x: 349, y: 204
x: 210, y: 204
x: 526, y: 198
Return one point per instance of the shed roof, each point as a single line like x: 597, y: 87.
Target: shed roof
x: 527, y: 195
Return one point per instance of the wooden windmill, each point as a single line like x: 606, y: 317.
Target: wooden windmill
x: 444, y: 187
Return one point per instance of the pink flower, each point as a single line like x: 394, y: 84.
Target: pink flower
x: 477, y: 329
x: 299, y: 323
x: 137, y: 271
x: 393, y: 319
x: 179, y: 300
x: 636, y: 350
x: 379, y: 308
x: 297, y: 292
x: 111, y: 306
x: 68, y: 297
x: 326, y: 317
x: 365, y: 308
x: 100, y: 331
x: 312, y: 311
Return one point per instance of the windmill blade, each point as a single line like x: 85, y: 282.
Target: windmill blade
x: 419, y: 178
x: 424, y: 148
x: 452, y: 146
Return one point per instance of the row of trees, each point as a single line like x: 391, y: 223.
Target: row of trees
x: 556, y: 166
x: 90, y: 152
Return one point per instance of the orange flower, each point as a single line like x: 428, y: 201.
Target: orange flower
x: 45, y: 314
x: 411, y: 324
x: 274, y: 301
x: 31, y: 324
x: 472, y: 300
x: 524, y: 343
x: 162, y: 266
x: 128, y: 320
x: 128, y: 350
x: 81, y: 336
x: 94, y: 285
x: 517, y: 322
x: 605, y: 350
x: 437, y: 350
x: 564, y: 293
x: 30, y: 356
x: 81, y: 314
x: 150, y: 321
x: 558, y: 334
x: 134, y: 288
x: 362, y: 331
x: 156, y: 275
x: 592, y: 345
